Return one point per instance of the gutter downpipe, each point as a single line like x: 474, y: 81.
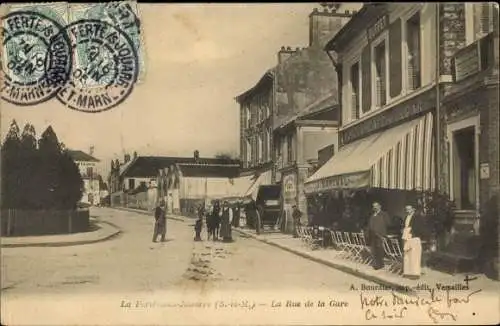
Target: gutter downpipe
x: 438, y: 100
x: 338, y: 70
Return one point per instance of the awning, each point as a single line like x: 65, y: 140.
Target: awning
x: 264, y: 178
x: 398, y: 158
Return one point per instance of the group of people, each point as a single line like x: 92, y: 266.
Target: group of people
x: 219, y: 220
x: 413, y: 230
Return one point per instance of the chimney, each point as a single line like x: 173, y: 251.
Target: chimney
x: 324, y: 24
x: 285, y: 53
x: 91, y: 150
x: 135, y: 154
x: 196, y: 155
x: 126, y: 158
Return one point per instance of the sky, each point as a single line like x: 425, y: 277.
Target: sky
x: 198, y: 57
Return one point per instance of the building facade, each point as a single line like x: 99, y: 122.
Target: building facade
x: 419, y: 112
x: 470, y: 135
x: 87, y: 165
x: 298, y: 142
x: 388, y: 100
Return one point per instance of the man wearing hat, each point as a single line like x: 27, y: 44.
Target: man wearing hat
x: 160, y: 221
x: 296, y: 215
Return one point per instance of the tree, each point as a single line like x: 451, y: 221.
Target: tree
x: 225, y: 156
x: 58, y: 177
x: 10, y: 167
x: 29, y: 160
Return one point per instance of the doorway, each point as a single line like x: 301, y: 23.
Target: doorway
x: 464, y: 170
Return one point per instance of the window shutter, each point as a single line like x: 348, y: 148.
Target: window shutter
x: 366, y: 82
x: 485, y: 18
x: 395, y: 72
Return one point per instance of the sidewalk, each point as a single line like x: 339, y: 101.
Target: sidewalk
x: 104, y: 232
x: 330, y: 258
x: 149, y: 213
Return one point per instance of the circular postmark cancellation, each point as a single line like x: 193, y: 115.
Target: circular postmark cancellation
x: 105, y: 66
x: 36, y: 59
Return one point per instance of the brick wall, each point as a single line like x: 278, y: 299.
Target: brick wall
x: 451, y: 33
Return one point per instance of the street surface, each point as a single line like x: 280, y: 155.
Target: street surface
x: 132, y: 262
x: 131, y: 280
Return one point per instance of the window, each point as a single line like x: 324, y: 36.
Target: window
x: 268, y: 145
x: 380, y: 75
x: 479, y: 20
x: 289, y: 141
x: 89, y: 172
x: 247, y: 116
x: 247, y: 153
x: 131, y: 183
x: 355, y: 91
x: 414, y: 52
x: 259, y: 153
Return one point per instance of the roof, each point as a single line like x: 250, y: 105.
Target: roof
x: 268, y: 76
x: 326, y: 103
x: 357, y: 23
x: 81, y: 156
x: 209, y: 171
x: 148, y: 166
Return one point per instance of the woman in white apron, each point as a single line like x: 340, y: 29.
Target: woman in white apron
x: 413, y: 230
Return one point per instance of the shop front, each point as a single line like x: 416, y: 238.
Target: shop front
x: 392, y: 166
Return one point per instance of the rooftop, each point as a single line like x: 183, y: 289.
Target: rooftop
x: 80, y: 156
x: 268, y: 76
x: 148, y: 166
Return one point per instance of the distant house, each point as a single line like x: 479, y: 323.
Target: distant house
x: 87, y: 164
x: 140, y: 181
x: 186, y: 185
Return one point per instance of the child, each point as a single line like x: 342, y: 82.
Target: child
x: 197, y: 228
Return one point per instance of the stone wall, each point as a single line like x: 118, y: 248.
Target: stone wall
x: 18, y: 222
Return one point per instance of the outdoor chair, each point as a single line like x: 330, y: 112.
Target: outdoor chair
x: 366, y: 252
x: 341, y: 244
x: 393, y: 251
x: 357, y: 248
x: 350, y: 246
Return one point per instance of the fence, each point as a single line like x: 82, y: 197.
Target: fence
x: 19, y: 222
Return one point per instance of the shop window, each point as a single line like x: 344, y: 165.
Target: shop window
x: 414, y: 52
x: 355, y: 91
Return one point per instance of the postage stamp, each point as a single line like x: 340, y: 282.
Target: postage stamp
x: 123, y: 15
x: 36, y: 56
x: 105, y: 66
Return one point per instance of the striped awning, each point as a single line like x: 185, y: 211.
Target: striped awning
x: 265, y: 178
x: 398, y: 158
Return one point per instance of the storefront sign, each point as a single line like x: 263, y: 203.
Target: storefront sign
x: 345, y: 181
x: 397, y: 114
x: 377, y: 28
x: 485, y: 171
x: 289, y: 187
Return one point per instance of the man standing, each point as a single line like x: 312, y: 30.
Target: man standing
x: 296, y: 215
x: 160, y: 222
x: 377, y: 228
x: 225, y: 229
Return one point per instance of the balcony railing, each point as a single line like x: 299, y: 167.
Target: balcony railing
x: 476, y: 57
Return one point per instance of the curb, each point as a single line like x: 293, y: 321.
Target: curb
x: 138, y: 211
x: 346, y: 269
x: 108, y: 236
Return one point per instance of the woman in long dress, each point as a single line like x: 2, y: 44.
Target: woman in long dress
x: 226, y: 223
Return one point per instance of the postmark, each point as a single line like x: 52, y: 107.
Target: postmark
x: 121, y: 14
x: 105, y: 66
x: 36, y: 58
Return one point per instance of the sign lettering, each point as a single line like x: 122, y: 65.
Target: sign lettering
x: 377, y: 28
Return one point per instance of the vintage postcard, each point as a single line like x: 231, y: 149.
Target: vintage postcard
x: 249, y: 164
